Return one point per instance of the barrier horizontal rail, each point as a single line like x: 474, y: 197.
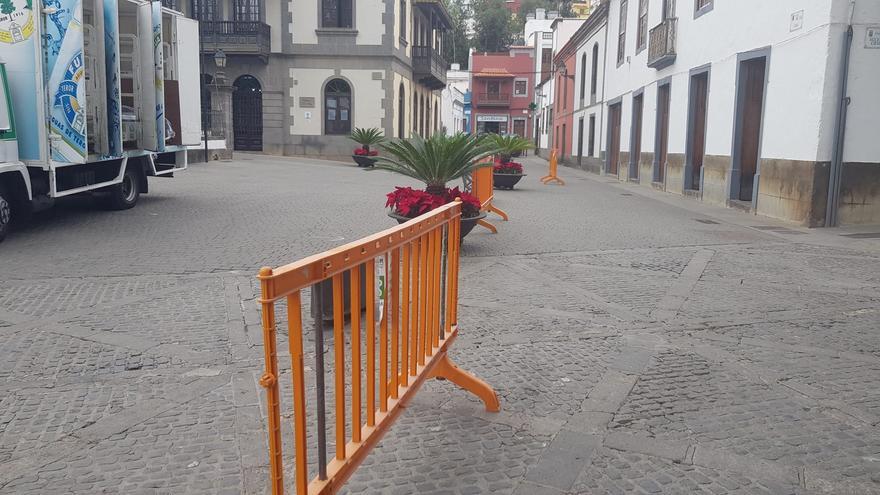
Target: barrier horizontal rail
x: 411, y: 320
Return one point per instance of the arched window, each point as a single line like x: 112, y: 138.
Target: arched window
x: 403, y: 19
x: 336, y: 13
x: 428, y: 130
x: 203, y: 10
x: 583, y: 77
x: 337, y: 107
x: 401, y: 112
x: 422, y: 116
x: 246, y: 10
x: 594, y: 73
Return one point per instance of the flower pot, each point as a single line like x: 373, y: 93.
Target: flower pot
x: 326, y: 288
x: 364, y: 160
x: 467, y: 224
x: 506, y: 181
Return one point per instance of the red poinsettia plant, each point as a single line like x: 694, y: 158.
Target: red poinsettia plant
x: 365, y: 152
x: 510, y: 167
x: 410, y: 203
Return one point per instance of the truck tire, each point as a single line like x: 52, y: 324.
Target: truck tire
x: 5, y: 213
x: 125, y: 194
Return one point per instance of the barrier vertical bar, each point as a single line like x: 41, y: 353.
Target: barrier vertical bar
x: 394, y: 326
x: 355, y: 311
x: 294, y: 339
x: 319, y: 382
x: 423, y: 292
x: 371, y: 342
x: 429, y: 289
x: 437, y: 284
x: 383, y: 346
x: 339, y: 363
x: 414, y: 348
x: 404, y: 318
x: 447, y: 280
x: 269, y: 380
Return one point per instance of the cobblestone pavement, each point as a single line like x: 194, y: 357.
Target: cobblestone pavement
x: 640, y: 343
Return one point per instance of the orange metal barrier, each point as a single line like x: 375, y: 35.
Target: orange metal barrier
x: 554, y: 165
x: 483, y: 187
x: 413, y: 305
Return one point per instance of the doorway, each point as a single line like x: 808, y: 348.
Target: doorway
x: 247, y: 114
x: 636, y: 141
x: 580, y: 141
x: 614, y: 139
x: 661, y: 152
x: 697, y: 129
x: 519, y: 127
x: 750, y: 110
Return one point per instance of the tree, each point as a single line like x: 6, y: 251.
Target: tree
x: 457, y: 44
x: 6, y: 6
x: 493, y: 29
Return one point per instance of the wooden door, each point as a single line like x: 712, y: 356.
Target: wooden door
x: 247, y: 114
x: 614, y: 145
x: 699, y: 98
x: 636, y: 152
x: 519, y: 128
x: 752, y: 78
x: 662, y: 131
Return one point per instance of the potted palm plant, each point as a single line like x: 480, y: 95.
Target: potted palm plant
x: 506, y: 172
x: 364, y: 156
x: 435, y: 162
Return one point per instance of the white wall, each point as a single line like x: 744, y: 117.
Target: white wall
x: 796, y: 72
x: 367, y: 97
x: 584, y: 109
x: 367, y: 21
x: 452, y: 109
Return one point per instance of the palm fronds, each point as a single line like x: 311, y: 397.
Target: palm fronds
x: 510, y: 145
x: 438, y: 159
x: 367, y: 137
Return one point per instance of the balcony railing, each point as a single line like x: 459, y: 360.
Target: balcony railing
x: 235, y: 37
x: 494, y: 100
x: 429, y: 67
x: 661, y: 44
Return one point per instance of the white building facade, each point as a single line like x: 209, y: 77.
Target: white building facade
x: 742, y: 104
x: 589, y: 102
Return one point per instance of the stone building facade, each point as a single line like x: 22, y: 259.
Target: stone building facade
x: 304, y: 73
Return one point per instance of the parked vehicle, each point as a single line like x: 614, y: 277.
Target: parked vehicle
x: 95, y: 96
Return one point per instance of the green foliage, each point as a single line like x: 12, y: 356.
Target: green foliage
x: 510, y: 145
x: 493, y: 26
x: 366, y: 137
x: 438, y: 159
x: 457, y: 44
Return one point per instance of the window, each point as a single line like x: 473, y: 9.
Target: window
x: 702, y: 6
x: 403, y: 19
x: 583, y: 77
x: 621, y: 34
x: 594, y: 73
x: 642, y: 33
x: 547, y: 35
x: 668, y: 9
x: 203, y: 10
x: 493, y: 87
x: 591, y: 143
x: 246, y: 10
x: 337, y: 107
x: 521, y: 88
x: 401, y: 111
x: 171, y: 4
x: 336, y: 13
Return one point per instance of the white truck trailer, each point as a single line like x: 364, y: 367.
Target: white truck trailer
x: 97, y: 95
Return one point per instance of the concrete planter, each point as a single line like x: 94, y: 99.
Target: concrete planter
x: 506, y: 181
x: 467, y: 224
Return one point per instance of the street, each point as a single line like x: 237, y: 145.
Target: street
x: 639, y: 342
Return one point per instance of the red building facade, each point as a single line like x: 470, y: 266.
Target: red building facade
x: 502, y: 87
x: 563, y: 109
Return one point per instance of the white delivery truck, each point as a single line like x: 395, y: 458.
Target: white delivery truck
x: 97, y: 95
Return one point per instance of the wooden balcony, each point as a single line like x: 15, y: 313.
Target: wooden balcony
x: 494, y: 100
x: 235, y: 38
x: 661, y: 44
x: 429, y: 67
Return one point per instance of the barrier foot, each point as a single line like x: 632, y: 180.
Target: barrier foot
x: 445, y: 368
x: 488, y: 225
x: 499, y: 211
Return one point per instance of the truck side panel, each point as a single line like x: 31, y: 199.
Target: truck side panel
x: 67, y: 86
x: 20, y: 51
x: 111, y: 70
x: 187, y: 31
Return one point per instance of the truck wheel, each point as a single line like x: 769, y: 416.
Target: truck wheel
x: 125, y: 194
x: 5, y: 213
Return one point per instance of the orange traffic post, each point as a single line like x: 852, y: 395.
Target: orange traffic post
x: 483, y: 187
x: 417, y: 305
x: 554, y: 166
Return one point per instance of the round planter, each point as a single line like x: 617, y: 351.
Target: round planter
x: 364, y: 161
x: 467, y: 224
x: 506, y: 181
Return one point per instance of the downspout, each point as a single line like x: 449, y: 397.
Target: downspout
x: 831, y: 208
x: 602, y: 98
